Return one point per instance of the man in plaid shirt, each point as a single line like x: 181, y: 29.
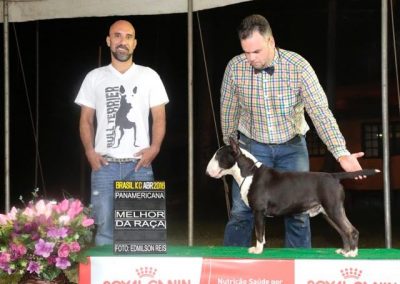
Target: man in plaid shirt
x: 264, y: 93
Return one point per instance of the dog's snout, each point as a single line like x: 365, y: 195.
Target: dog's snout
x: 213, y: 168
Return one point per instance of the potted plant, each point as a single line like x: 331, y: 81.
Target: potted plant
x: 44, y: 239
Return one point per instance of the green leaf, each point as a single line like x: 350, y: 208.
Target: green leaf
x: 51, y: 273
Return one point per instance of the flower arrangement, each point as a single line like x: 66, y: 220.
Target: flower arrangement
x: 44, y: 238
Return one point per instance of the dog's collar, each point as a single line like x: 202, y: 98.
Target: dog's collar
x: 252, y: 168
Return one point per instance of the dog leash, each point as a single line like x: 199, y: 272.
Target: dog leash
x: 251, y: 170
x: 228, y: 204
x: 240, y: 186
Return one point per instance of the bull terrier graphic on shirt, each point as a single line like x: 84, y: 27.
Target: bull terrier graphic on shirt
x: 122, y: 121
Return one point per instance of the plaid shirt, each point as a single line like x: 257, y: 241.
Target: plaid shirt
x: 270, y: 108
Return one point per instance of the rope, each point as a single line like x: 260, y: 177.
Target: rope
x: 29, y: 109
x: 226, y: 187
x: 395, y: 53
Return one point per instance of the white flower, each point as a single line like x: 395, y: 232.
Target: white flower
x: 64, y: 219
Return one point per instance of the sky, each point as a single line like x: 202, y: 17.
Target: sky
x: 66, y: 49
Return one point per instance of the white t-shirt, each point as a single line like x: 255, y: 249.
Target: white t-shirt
x: 122, y: 103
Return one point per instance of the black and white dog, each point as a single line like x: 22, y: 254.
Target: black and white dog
x: 271, y: 193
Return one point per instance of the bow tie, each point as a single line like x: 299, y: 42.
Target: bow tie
x: 270, y: 70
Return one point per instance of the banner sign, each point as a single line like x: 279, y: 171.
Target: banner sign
x: 144, y: 270
x: 198, y: 270
x: 347, y: 271
x: 185, y: 270
x: 247, y: 271
x: 140, y: 221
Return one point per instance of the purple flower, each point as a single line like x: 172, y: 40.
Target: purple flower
x: 35, y: 236
x: 57, y: 232
x: 43, y: 248
x: 45, y: 221
x: 33, y: 267
x: 30, y: 227
x: 38, y: 242
x: 17, y: 228
x: 62, y: 262
x: 51, y: 260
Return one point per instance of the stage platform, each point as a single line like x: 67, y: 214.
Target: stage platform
x: 233, y: 265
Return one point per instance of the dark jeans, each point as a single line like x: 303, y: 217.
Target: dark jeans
x: 289, y: 156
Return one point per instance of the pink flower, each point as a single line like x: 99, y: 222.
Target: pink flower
x: 62, y: 206
x: 29, y: 212
x: 3, y: 219
x: 74, y: 247
x: 86, y: 222
x: 43, y: 209
x: 17, y: 251
x: 75, y: 208
x: 63, y: 250
x: 4, y: 260
x: 11, y: 216
x: 43, y: 237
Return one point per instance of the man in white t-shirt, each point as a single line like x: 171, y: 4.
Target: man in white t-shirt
x: 120, y: 96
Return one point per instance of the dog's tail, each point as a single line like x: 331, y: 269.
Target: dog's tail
x: 351, y: 175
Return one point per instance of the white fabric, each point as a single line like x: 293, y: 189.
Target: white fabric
x: 122, y: 103
x: 148, y: 269
x: 22, y: 11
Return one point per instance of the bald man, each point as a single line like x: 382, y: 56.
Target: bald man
x: 120, y: 96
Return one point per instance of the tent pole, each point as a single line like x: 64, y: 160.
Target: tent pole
x: 6, y: 109
x: 385, y: 126
x: 190, y: 118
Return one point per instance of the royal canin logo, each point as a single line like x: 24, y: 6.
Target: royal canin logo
x: 146, y: 272
x: 147, y: 275
x: 351, y: 275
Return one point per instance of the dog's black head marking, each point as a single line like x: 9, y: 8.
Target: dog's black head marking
x: 230, y: 154
x: 235, y: 147
x: 225, y: 157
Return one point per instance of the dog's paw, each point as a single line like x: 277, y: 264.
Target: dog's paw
x: 349, y: 253
x: 352, y: 253
x: 339, y: 251
x: 255, y: 250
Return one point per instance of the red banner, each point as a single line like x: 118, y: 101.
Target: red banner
x: 247, y: 271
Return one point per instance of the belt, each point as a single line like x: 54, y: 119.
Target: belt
x: 293, y: 140
x: 119, y: 160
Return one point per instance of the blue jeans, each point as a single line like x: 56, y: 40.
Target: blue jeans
x: 289, y: 156
x: 102, y: 196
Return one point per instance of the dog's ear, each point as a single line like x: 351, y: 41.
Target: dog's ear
x: 235, y: 145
